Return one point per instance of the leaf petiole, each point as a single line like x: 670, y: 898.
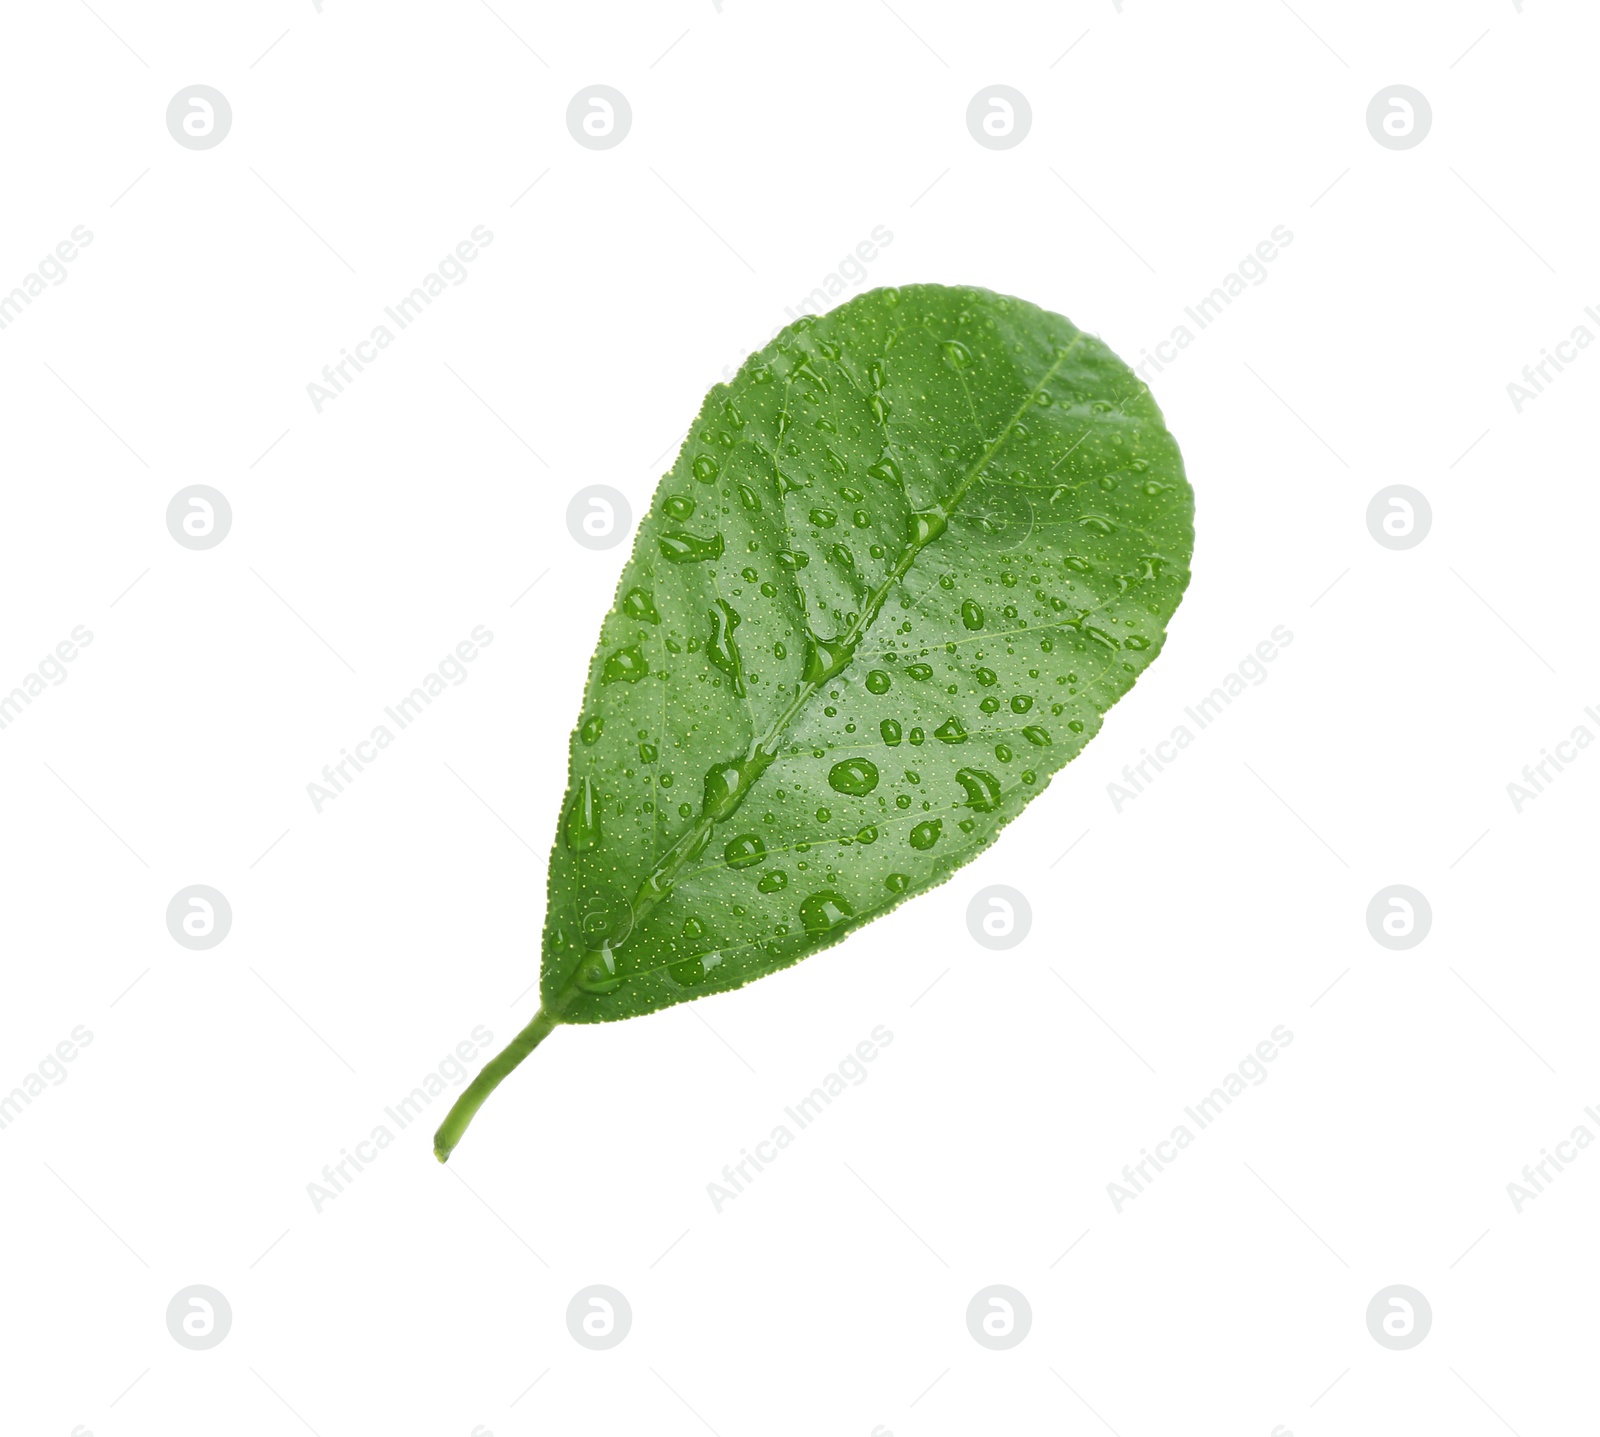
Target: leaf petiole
x: 494, y: 1072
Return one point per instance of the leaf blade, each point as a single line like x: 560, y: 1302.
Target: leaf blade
x: 903, y: 565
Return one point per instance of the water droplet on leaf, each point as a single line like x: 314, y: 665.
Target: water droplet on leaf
x: 745, y: 851
x: 855, y: 776
x: 626, y: 663
x: 684, y: 548
x: 823, y: 912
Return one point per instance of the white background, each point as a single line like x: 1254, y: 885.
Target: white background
x: 368, y: 540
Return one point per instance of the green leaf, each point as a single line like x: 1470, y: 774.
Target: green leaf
x: 901, y: 568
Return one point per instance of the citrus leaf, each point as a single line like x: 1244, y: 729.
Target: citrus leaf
x: 902, y: 567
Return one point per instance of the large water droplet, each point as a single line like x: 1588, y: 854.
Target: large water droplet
x: 727, y: 784
x: 683, y: 548
x: 679, y: 507
x: 745, y: 851
x: 971, y: 614
x: 705, y: 469
x: 692, y: 972
x: 983, y: 789
x: 823, y: 912
x: 855, y: 776
x: 773, y: 882
x: 627, y: 663
x: 581, y: 829
x: 951, y: 731
x: 890, y: 731
x: 721, y: 648
x: 640, y: 604
x: 825, y: 658
x: 877, y: 682
x: 926, y: 833
x: 592, y: 728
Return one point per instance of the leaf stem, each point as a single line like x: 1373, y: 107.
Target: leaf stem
x: 494, y: 1071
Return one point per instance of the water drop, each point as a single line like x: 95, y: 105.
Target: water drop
x: 1020, y: 703
x: 745, y: 851
x: 983, y: 789
x: 1036, y: 736
x: 592, y: 728
x: 693, y: 971
x: 825, y: 658
x: 684, y: 548
x: 774, y: 882
x: 705, y: 469
x: 890, y: 731
x: 626, y: 663
x: 855, y: 776
x: 581, y: 830
x: 926, y: 833
x: 897, y: 882
x: 721, y: 648
x: 727, y: 784
x: 639, y: 604
x: 971, y: 614
x: 877, y: 682
x: 823, y: 912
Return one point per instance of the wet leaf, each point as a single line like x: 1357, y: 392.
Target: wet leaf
x: 970, y: 530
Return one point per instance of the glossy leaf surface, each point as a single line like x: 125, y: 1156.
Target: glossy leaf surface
x: 902, y: 567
